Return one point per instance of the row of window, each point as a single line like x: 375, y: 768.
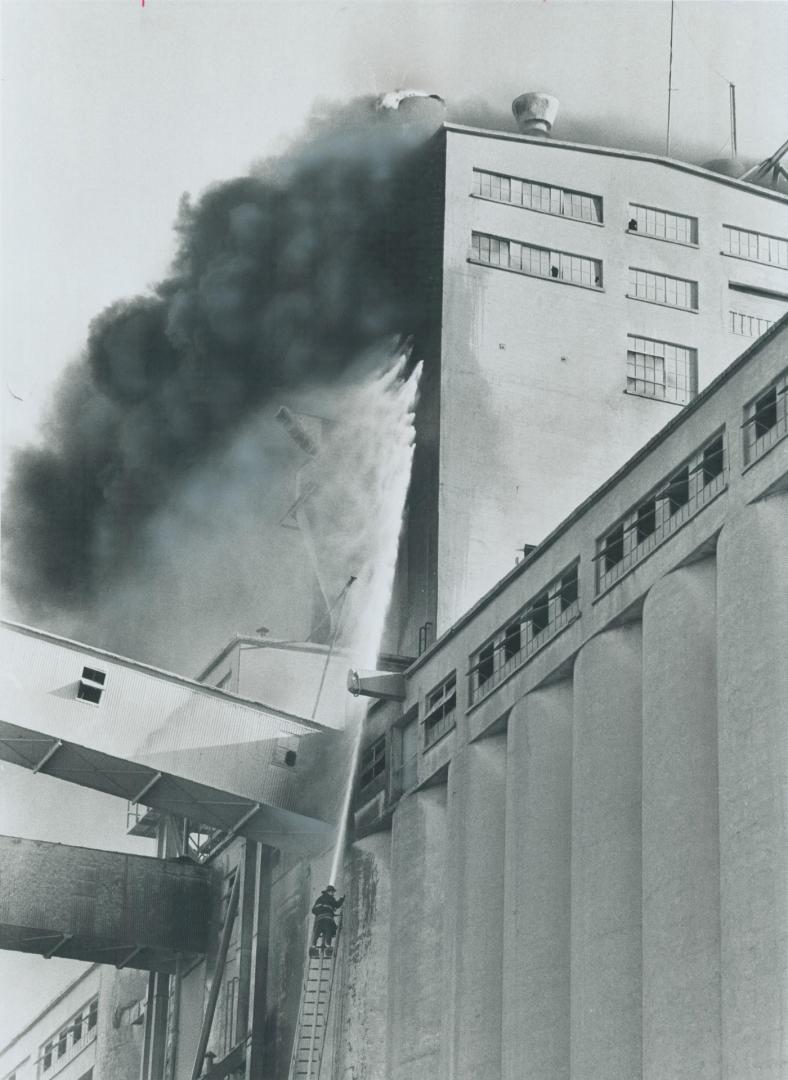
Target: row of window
x: 646, y: 220
x: 580, y: 270
x: 531, y: 628
x: 536, y: 261
x: 545, y: 198
x: 663, y: 510
x: 654, y: 288
x: 78, y: 1033
x: 677, y: 498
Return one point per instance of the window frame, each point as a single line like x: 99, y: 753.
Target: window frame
x: 666, y: 280
x: 496, y: 661
x: 91, y: 686
x: 553, y: 194
x: 378, y: 765
x: 440, y: 710
x: 666, y: 214
x: 685, y: 382
x: 757, y: 443
x: 676, y: 499
x: 552, y: 263
x: 780, y: 263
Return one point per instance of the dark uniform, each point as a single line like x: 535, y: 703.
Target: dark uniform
x: 324, y: 909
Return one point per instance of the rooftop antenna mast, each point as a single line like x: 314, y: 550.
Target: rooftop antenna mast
x: 670, y: 75
x: 734, y: 148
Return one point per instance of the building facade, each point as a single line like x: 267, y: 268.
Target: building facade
x: 92, y: 1029
x: 585, y: 295
x: 575, y: 819
x: 568, y: 858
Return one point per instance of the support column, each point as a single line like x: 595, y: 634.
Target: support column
x: 606, y: 858
x: 474, y: 930
x: 537, y: 878
x: 417, y: 987
x: 752, y: 626
x: 255, y: 1006
x: 361, y: 1049
x: 681, y: 893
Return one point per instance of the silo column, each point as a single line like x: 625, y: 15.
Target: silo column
x: 681, y: 892
x: 536, y: 944
x: 606, y: 858
x: 361, y: 1043
x: 417, y: 988
x: 752, y: 686
x: 474, y: 908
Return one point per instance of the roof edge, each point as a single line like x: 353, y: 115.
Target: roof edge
x: 610, y: 151
x: 160, y: 673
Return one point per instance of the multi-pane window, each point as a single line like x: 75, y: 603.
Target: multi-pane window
x: 766, y: 418
x: 373, y: 762
x: 677, y: 498
x: 677, y: 228
x: 441, y: 707
x: 536, y: 624
x: 663, y: 289
x: 745, y: 244
x: 64, y: 1046
x: 661, y: 369
x: 535, y: 196
x: 536, y: 261
x: 751, y: 326
x: 91, y: 685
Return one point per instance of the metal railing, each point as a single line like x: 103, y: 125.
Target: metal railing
x: 639, y: 535
x: 491, y: 670
x: 435, y: 729
x: 767, y: 424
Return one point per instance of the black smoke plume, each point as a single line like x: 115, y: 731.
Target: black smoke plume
x: 281, y: 278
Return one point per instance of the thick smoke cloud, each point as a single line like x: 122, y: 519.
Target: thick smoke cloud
x: 282, y: 279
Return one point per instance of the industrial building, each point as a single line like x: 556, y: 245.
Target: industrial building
x: 94, y: 1028
x: 568, y: 853
x: 582, y: 296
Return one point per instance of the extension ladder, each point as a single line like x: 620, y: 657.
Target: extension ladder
x: 310, y: 1035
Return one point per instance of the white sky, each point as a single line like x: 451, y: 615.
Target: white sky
x: 111, y: 110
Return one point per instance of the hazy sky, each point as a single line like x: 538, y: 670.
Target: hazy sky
x: 111, y: 110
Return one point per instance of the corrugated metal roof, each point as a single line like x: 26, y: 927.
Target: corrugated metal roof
x: 163, y: 791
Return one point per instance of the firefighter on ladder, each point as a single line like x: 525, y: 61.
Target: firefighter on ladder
x: 324, y: 909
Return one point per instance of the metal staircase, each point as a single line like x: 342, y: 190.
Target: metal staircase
x: 310, y: 1033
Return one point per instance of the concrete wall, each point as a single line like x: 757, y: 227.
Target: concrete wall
x: 753, y: 790
x: 119, y: 1042
x: 681, y: 890
x: 533, y: 409
x: 416, y: 986
x: 474, y: 909
x: 537, y: 879
x: 606, y: 964
x: 362, y: 1038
